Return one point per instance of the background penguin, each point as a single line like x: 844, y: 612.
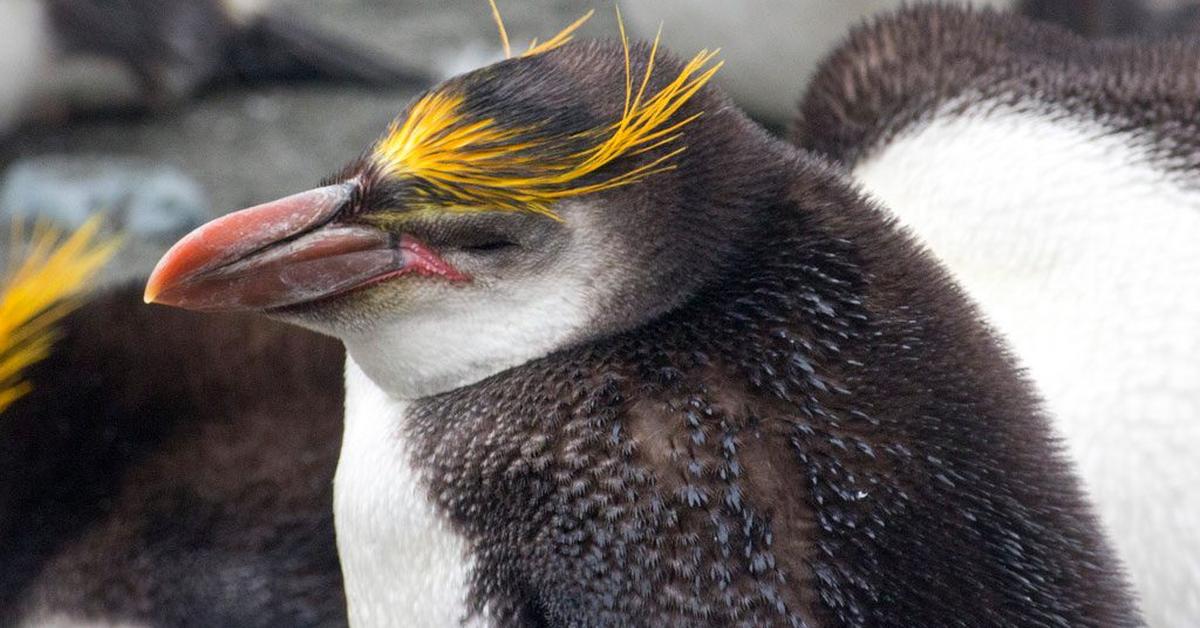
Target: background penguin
x: 769, y: 44
x: 164, y: 469
x: 616, y: 356
x: 76, y: 56
x: 1058, y: 180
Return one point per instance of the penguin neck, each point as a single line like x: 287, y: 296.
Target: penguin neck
x: 402, y: 562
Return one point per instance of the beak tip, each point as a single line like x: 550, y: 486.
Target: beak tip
x: 179, y: 278
x: 153, y: 288
x: 154, y: 285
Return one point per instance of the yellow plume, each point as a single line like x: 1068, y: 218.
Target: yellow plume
x: 500, y: 27
x: 38, y: 290
x: 465, y: 163
x: 561, y: 38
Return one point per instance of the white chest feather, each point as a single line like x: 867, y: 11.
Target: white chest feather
x: 433, y: 349
x: 403, y: 565
x: 1088, y: 259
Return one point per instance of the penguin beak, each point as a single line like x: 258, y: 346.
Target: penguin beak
x: 283, y: 253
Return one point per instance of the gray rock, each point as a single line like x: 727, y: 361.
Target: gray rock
x: 143, y: 199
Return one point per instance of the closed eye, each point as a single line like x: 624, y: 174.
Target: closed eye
x: 491, y: 246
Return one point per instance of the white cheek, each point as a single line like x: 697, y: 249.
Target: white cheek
x: 1088, y: 260
x: 451, y: 344
x: 445, y: 341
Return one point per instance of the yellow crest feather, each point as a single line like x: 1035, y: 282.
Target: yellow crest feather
x: 561, y: 38
x: 478, y: 164
x: 37, y: 292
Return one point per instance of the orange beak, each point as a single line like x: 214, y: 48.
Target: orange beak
x: 284, y: 253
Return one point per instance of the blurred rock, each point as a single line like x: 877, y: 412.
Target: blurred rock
x: 437, y: 36
x: 140, y: 198
x: 25, y: 47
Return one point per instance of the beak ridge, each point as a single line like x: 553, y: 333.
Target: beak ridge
x: 234, y: 240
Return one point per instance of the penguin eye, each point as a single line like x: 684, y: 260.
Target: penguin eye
x: 491, y: 246
x: 480, y: 236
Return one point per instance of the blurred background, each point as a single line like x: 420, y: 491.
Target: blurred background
x: 162, y: 113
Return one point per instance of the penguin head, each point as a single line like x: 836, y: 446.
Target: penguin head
x: 547, y: 199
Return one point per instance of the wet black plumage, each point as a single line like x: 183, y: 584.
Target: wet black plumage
x: 789, y: 416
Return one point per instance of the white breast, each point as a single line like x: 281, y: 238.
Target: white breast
x: 1088, y: 260
x: 403, y: 565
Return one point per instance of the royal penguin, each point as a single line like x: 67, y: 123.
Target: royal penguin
x: 160, y: 468
x: 617, y: 356
x: 66, y: 57
x: 1059, y: 181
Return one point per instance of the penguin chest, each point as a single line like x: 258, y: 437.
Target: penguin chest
x: 403, y: 564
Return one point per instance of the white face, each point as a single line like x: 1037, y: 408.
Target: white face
x: 535, y: 285
x: 438, y: 345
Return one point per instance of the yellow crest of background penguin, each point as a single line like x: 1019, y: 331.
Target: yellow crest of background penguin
x: 731, y: 391
x: 36, y: 291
